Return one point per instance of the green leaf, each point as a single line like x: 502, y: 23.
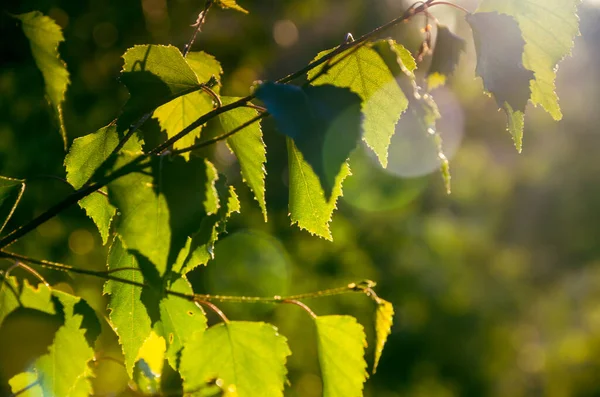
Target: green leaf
x: 231, y: 4
x: 248, y: 147
x: 384, y: 318
x: 248, y: 355
x: 200, y: 246
x: 64, y: 370
x: 127, y: 313
x: 446, y: 55
x: 499, y: 47
x: 13, y: 296
x: 341, y: 343
x: 308, y: 206
x: 365, y: 73
x: 27, y: 381
x: 154, y: 75
x: 85, y: 156
x: 150, y: 363
x: 323, y: 121
x: 176, y: 115
x: 180, y: 318
x: 44, y: 36
x: 548, y: 27
x: 11, y: 191
x: 72, y: 305
x: 162, y: 208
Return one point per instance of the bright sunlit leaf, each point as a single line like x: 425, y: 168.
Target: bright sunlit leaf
x: 250, y: 356
x: 13, y: 296
x: 341, y: 341
x: 384, y: 318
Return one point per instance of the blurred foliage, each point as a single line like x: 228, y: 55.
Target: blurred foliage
x: 496, y: 287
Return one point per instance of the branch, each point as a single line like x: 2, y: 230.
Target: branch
x: 363, y: 287
x: 89, y: 189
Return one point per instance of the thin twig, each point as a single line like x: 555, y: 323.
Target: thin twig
x: 198, y: 27
x: 209, y: 142
x: 214, y: 308
x: 302, y: 305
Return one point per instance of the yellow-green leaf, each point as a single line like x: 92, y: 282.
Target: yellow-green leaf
x: 26, y: 385
x: 384, y: 319
x: 231, y: 4
x: 249, y: 148
x: 177, y: 114
x: 365, y: 73
x: 44, y: 37
x: 249, y: 356
x: 180, y: 318
x: 308, y: 207
x: 127, y: 313
x: 13, y: 296
x: 548, y: 27
x: 341, y: 342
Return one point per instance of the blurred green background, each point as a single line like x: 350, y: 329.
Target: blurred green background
x: 496, y: 287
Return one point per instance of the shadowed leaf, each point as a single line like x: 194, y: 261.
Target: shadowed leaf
x: 44, y: 37
x: 11, y: 191
x: 446, y: 55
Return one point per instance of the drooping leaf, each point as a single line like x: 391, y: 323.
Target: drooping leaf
x: 200, y: 246
x: 397, y: 58
x: 11, y: 191
x: 127, y: 313
x: 365, y: 73
x: 548, y: 27
x: 499, y: 47
x: 231, y: 4
x: 13, y: 296
x: 180, y: 318
x: 446, y: 55
x: 308, y: 207
x: 154, y: 75
x: 174, y: 116
x: 324, y: 123
x: 250, y: 356
x: 64, y: 370
x: 384, y: 318
x: 248, y: 147
x: 44, y: 36
x: 341, y: 342
x: 26, y: 385
x: 162, y: 207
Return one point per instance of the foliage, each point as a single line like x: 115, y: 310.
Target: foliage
x: 163, y: 202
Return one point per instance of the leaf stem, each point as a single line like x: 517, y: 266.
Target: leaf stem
x: 447, y: 3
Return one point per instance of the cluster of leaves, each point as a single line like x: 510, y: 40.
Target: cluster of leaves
x: 162, y: 208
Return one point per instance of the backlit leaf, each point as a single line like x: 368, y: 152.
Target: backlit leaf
x: 499, y: 47
x: 324, y: 123
x: 365, y: 73
x: 64, y: 370
x: 446, y: 55
x: 180, y: 318
x: 127, y: 313
x: 248, y: 147
x: 44, y: 37
x: 548, y: 27
x: 250, y: 356
x: 341, y: 343
x: 11, y: 191
x: 154, y: 75
x: 13, y: 296
x: 231, y: 4
x: 384, y: 318
x: 149, y: 364
x: 85, y: 156
x: 176, y: 115
x: 163, y: 206
x: 27, y: 381
x: 308, y: 207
